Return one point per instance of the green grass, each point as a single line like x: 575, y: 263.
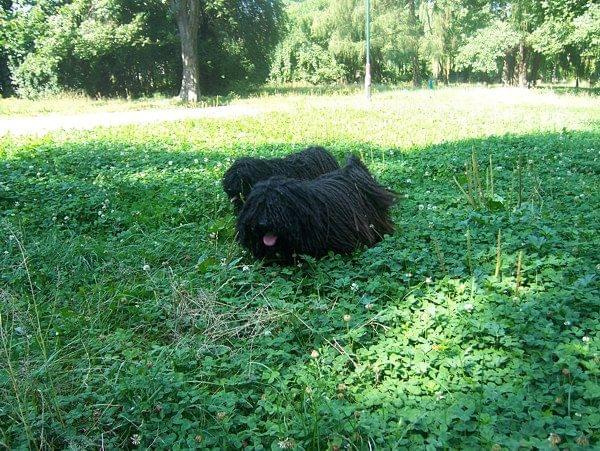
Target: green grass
x: 129, y: 316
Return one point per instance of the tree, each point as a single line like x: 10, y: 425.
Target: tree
x: 187, y: 13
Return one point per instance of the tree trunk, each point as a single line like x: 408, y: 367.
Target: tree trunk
x: 508, y: 69
x: 522, y: 66
x: 187, y: 13
x: 412, y: 18
x: 535, y: 68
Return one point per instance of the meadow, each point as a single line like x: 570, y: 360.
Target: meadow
x: 129, y: 316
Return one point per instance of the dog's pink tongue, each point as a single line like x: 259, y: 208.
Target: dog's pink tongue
x: 270, y: 240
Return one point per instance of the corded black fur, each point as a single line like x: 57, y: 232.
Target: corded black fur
x: 338, y: 211
x: 245, y: 172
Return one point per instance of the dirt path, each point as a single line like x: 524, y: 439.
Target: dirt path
x: 39, y: 125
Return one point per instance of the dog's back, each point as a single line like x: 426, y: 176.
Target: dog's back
x: 245, y: 172
x: 377, y: 194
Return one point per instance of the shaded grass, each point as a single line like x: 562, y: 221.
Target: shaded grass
x: 144, y: 323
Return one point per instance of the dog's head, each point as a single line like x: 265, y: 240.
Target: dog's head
x: 239, y: 180
x: 274, y: 219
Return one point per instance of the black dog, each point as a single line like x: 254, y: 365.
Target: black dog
x: 338, y: 211
x: 245, y: 172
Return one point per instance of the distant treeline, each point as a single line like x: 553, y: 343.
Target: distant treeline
x: 132, y: 48
x: 515, y: 42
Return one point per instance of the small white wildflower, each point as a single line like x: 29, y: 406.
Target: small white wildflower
x: 245, y: 268
x: 428, y: 280
x: 468, y: 307
x: 135, y: 439
x: 288, y: 443
x: 205, y: 160
x: 30, y: 167
x: 223, y: 261
x: 66, y: 218
x: 567, y: 323
x: 146, y: 267
x: 170, y: 162
x: 369, y: 306
x: 427, y: 174
x: 195, y: 160
x: 267, y: 333
x: 408, y: 181
x: 406, y: 196
x: 421, y: 207
x: 354, y: 286
x: 5, y: 252
x: 408, y: 275
x: 314, y: 354
x: 586, y: 339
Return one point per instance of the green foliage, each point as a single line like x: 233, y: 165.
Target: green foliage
x: 111, y: 47
x: 486, y: 49
x: 129, y: 317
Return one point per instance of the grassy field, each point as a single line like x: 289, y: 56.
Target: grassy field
x: 74, y: 104
x: 131, y: 318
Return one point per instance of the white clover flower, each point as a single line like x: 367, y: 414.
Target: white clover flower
x: 354, y: 286
x: 245, y: 268
x: 205, y: 160
x: 408, y: 181
x: 427, y: 174
x: 428, y: 280
x: 195, y: 160
x: 586, y: 339
x: 146, y: 267
x: 170, y: 162
x: 468, y: 307
x: 421, y: 207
